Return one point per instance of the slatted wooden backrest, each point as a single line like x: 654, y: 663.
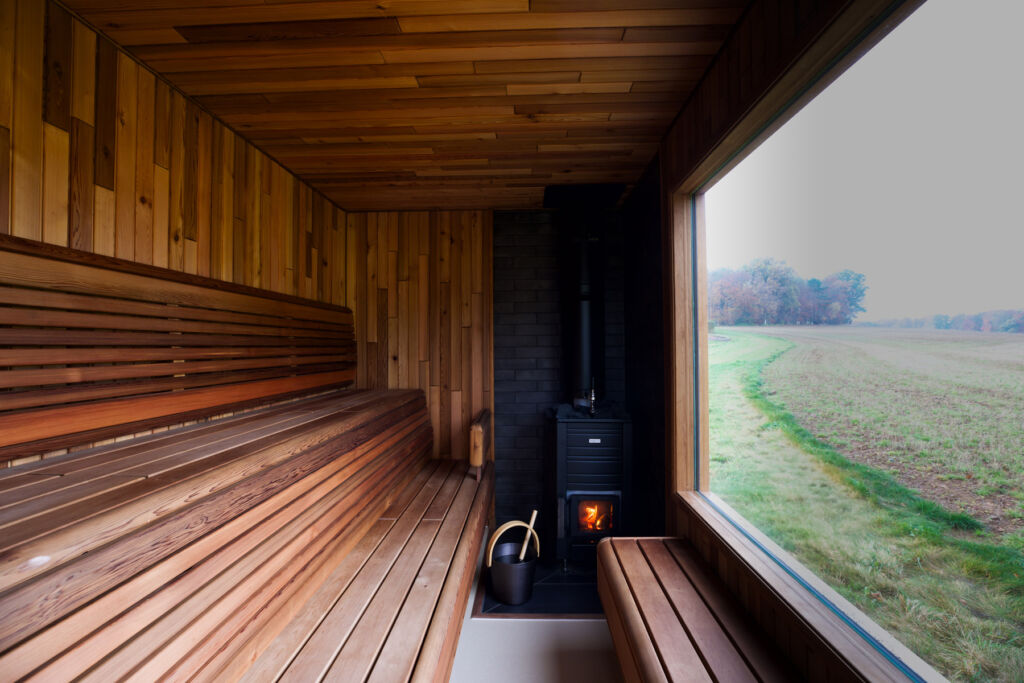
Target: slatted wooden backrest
x: 93, y: 347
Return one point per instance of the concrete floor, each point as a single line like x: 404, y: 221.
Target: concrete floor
x: 497, y: 650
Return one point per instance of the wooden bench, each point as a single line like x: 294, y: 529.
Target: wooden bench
x: 671, y: 619
x: 193, y: 549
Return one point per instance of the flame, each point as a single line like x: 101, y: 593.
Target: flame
x: 595, y: 515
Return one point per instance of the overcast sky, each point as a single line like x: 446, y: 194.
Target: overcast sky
x: 908, y: 168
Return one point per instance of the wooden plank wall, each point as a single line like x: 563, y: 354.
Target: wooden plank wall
x: 422, y: 298
x: 99, y: 154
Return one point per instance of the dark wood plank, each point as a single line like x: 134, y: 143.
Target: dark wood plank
x: 57, y: 73
x: 106, y: 112
x: 290, y: 30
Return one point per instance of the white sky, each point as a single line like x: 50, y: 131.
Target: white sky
x: 907, y: 169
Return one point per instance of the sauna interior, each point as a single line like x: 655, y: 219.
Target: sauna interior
x: 301, y: 299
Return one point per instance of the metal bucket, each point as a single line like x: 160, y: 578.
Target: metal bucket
x: 512, y: 580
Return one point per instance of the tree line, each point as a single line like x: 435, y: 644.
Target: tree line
x: 989, y: 321
x: 768, y: 292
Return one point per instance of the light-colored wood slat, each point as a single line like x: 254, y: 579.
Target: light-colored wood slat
x: 83, y: 78
x: 342, y: 488
x: 104, y: 212
x: 27, y: 121
x: 56, y: 175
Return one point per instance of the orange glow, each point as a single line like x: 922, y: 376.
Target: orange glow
x: 595, y: 515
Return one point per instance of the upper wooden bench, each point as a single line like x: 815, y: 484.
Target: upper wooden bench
x: 193, y: 549
x: 671, y: 619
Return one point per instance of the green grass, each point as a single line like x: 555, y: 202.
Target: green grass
x: 934, y: 577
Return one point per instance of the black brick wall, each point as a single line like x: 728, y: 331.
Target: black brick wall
x: 530, y: 375
x: 527, y: 355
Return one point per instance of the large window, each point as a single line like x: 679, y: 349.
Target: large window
x: 866, y: 348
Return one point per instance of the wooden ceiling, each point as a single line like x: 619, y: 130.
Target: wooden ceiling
x: 401, y: 104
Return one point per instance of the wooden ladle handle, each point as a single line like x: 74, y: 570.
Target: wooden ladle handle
x: 526, y: 538
x: 502, y: 529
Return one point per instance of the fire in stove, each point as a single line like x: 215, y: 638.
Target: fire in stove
x: 596, y: 515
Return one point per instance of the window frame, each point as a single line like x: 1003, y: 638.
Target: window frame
x: 719, y: 531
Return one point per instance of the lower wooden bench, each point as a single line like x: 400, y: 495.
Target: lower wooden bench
x: 187, y: 554
x: 672, y: 620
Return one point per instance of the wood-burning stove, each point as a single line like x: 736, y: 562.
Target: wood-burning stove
x: 591, y: 482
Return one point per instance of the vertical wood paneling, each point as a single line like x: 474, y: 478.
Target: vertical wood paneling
x: 117, y: 162
x: 422, y: 283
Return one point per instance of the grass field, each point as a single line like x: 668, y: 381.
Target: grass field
x: 891, y: 463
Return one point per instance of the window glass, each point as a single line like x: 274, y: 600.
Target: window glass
x: 866, y: 353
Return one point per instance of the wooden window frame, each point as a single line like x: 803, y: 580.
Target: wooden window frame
x: 758, y: 570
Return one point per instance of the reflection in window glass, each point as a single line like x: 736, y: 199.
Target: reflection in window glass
x: 866, y: 293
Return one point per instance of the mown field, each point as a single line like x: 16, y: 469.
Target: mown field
x: 891, y: 463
